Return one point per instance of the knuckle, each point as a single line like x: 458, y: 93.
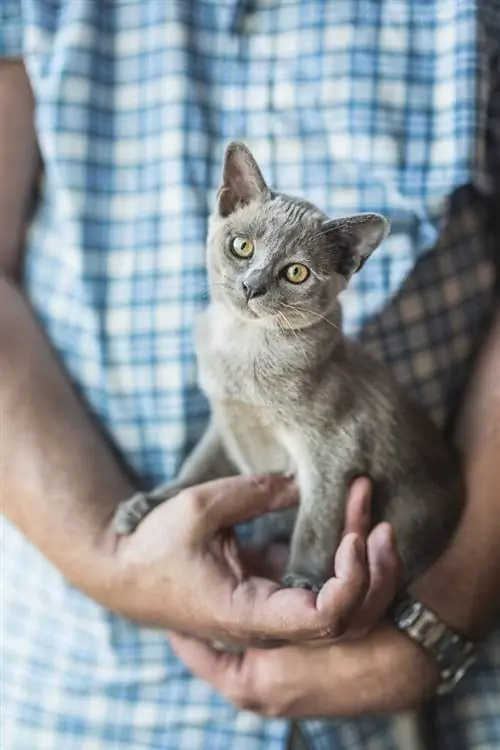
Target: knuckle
x: 336, y: 627
x: 262, y: 483
x: 272, y: 711
x: 268, y: 710
x: 270, y: 697
x: 268, y: 678
x: 250, y: 691
x: 193, y: 498
x: 263, y: 688
x: 246, y: 704
x: 197, y: 503
x: 242, y: 698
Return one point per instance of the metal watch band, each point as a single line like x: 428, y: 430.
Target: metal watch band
x: 453, y: 653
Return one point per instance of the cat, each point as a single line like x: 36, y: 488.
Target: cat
x: 291, y: 395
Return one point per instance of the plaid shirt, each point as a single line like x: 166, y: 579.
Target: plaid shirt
x: 357, y: 104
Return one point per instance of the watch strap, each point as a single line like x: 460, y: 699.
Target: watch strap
x: 453, y: 653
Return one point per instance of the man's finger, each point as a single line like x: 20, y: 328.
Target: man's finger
x: 225, y: 502
x: 215, y: 667
x: 385, y: 572
x: 258, y: 609
x: 358, y: 508
x: 236, y: 676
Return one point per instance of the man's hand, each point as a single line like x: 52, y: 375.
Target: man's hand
x: 183, y: 569
x: 384, y: 567
x: 383, y: 672
x: 331, y: 679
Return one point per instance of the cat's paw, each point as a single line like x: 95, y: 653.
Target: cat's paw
x: 130, y: 513
x: 299, y: 581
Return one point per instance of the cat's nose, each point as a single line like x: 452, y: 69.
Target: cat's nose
x: 252, y: 290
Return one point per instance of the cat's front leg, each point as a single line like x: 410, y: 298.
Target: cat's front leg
x: 207, y: 461
x: 318, y: 529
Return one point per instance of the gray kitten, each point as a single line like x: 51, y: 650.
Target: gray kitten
x: 290, y: 395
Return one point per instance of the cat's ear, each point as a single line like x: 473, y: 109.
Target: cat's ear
x: 242, y: 180
x: 354, y: 239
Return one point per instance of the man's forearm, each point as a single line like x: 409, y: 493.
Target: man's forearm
x: 462, y: 586
x: 19, y: 161
x: 59, y: 481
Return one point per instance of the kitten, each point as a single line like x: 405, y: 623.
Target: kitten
x: 290, y: 394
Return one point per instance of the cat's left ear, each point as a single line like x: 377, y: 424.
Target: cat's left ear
x: 242, y: 180
x: 354, y: 239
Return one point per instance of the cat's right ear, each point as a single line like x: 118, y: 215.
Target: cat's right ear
x: 353, y: 240
x: 242, y: 180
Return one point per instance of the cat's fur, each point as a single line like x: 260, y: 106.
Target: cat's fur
x: 290, y: 394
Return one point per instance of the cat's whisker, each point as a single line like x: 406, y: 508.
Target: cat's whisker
x: 292, y: 329
x: 203, y: 285
x: 282, y: 321
x: 299, y: 310
x: 322, y: 317
x: 306, y: 311
x: 220, y: 284
x: 229, y: 288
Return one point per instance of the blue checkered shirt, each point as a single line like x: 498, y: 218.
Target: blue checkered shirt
x: 360, y: 105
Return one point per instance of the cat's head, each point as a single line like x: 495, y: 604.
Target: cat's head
x: 270, y: 255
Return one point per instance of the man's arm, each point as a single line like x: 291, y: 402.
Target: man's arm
x: 463, y: 585
x: 60, y: 482
x: 19, y: 161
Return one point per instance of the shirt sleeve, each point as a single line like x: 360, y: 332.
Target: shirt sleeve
x: 11, y: 29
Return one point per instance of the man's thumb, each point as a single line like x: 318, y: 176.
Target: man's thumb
x: 223, y: 503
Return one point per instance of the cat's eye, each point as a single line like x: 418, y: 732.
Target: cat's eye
x: 296, y: 273
x: 242, y: 247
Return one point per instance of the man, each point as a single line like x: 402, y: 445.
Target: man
x: 390, y: 107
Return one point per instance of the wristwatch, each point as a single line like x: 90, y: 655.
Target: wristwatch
x: 453, y: 653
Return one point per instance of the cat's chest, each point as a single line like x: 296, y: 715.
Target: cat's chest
x: 245, y: 405
x: 230, y: 361
x: 255, y: 440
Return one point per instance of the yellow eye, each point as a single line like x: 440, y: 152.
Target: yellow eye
x: 296, y: 273
x: 242, y: 247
